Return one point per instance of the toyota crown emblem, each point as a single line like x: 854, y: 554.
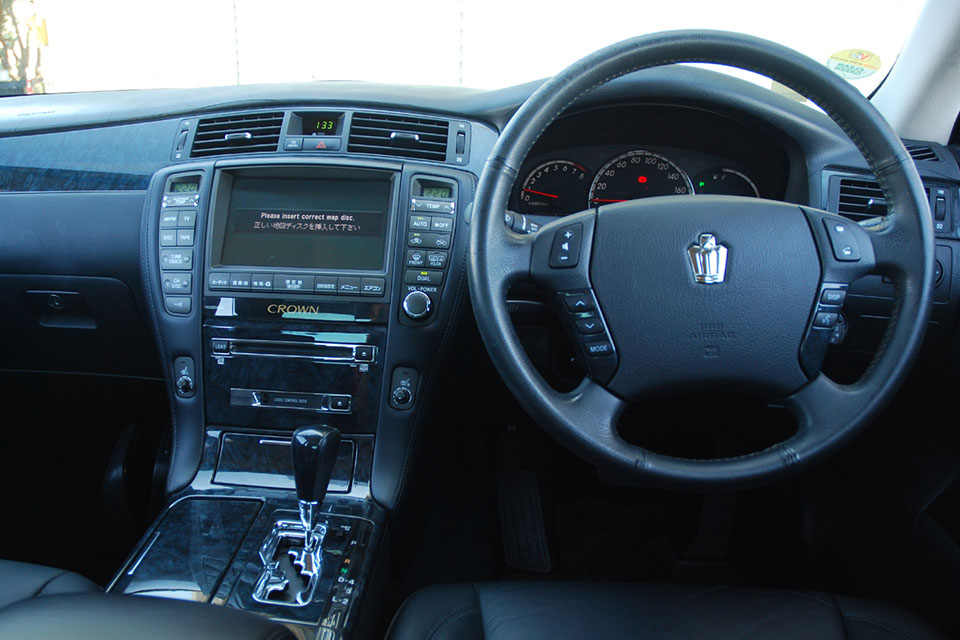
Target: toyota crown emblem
x: 708, y: 259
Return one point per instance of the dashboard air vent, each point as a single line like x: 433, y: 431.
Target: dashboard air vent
x: 247, y: 133
x: 407, y: 136
x: 922, y: 152
x: 861, y: 199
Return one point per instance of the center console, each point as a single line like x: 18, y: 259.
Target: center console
x: 294, y: 292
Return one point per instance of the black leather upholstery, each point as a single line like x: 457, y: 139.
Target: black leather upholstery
x: 678, y: 612
x: 100, y: 616
x: 21, y: 581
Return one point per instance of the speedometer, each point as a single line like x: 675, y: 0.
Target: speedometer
x: 638, y: 174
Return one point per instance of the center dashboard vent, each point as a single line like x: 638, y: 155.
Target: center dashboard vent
x: 407, y: 136
x: 862, y: 199
x: 247, y: 133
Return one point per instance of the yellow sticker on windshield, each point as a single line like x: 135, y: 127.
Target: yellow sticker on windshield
x: 854, y: 64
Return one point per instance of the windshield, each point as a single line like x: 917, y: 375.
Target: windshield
x: 95, y: 45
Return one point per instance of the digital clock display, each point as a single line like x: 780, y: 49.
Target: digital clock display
x: 185, y: 187
x: 321, y: 124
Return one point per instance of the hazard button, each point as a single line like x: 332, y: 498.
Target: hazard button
x: 321, y: 143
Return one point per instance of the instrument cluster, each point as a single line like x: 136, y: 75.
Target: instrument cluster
x: 610, y: 155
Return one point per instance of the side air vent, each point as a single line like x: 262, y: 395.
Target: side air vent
x: 922, y: 152
x: 247, y: 133
x: 861, y: 199
x: 407, y: 136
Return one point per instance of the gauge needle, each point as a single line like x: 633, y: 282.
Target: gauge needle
x: 541, y: 193
x: 606, y: 200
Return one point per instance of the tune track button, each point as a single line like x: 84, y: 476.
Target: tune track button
x: 578, y: 302
x: 589, y: 326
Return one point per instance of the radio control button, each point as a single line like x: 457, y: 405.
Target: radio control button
x: 577, y: 302
x: 436, y: 259
x: 187, y: 219
x: 590, y: 325
x: 240, y: 281
x: 825, y: 320
x: 417, y: 257
x: 220, y: 345
x: 177, y: 283
x: 177, y: 304
x: 363, y: 353
x: 421, y: 223
x: 185, y: 237
x: 168, y: 219
x: 168, y: 237
x: 218, y: 280
x: 372, y: 286
x: 441, y: 224
x: 416, y: 276
x: 176, y: 259
x: 261, y: 282
x: 348, y: 286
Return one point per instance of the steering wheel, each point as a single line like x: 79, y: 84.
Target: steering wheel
x: 703, y: 292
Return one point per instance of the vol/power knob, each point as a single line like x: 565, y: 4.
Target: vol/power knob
x: 417, y: 305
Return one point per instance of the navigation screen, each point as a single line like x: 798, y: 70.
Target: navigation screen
x: 310, y: 223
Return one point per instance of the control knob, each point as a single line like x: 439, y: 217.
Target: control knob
x: 185, y: 385
x: 417, y: 305
x: 402, y: 395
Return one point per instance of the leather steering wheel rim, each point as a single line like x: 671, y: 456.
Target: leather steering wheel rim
x: 900, y: 246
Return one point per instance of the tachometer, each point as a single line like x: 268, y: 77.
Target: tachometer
x: 638, y: 174
x: 554, y: 187
x: 725, y: 182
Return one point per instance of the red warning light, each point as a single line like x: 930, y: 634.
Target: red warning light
x: 642, y: 179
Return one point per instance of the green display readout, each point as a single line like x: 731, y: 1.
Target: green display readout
x: 185, y: 187
x: 321, y: 124
x: 436, y: 192
x: 325, y: 126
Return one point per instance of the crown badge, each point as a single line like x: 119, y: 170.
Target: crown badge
x: 708, y: 259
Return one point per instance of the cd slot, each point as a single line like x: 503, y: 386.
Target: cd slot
x: 317, y: 351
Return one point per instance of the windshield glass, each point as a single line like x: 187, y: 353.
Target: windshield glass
x: 95, y: 45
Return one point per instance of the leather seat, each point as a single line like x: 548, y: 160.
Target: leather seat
x: 679, y: 612
x: 21, y: 581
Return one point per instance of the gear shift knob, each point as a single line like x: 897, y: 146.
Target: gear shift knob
x: 314, y: 451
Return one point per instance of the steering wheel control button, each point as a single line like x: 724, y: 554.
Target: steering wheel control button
x: 833, y: 297
x: 403, y: 385
x: 598, y: 348
x: 577, y: 302
x: 180, y: 305
x: 417, y: 305
x: 566, y: 246
x: 825, y: 320
x: 589, y: 326
x: 845, y: 247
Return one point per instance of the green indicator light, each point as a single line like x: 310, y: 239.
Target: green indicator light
x: 702, y: 183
